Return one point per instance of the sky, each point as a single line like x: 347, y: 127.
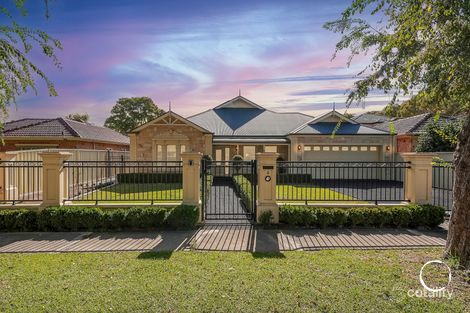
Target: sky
x: 196, y: 54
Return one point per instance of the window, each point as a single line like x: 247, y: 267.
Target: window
x: 218, y: 155
x: 249, y: 153
x: 354, y: 148
x: 270, y: 149
x: 326, y: 148
x: 159, y: 153
x: 183, y: 149
x: 171, y: 153
x: 363, y: 148
x: 335, y: 149
x: 316, y: 148
x: 344, y: 148
x: 307, y: 148
x: 373, y: 148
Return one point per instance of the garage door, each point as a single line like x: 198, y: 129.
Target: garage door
x: 342, y: 153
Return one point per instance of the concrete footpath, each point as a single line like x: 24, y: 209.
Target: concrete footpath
x: 222, y: 238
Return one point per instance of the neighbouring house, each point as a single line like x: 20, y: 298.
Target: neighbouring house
x: 370, y: 119
x: 409, y: 129
x: 62, y: 133
x: 242, y: 127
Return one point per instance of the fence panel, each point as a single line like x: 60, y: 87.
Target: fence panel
x: 123, y: 181
x: 443, y: 185
x: 22, y: 181
x: 341, y: 181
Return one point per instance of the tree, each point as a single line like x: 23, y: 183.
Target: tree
x: 439, y: 137
x: 129, y: 113
x: 419, y: 47
x: 17, y: 72
x: 84, y: 118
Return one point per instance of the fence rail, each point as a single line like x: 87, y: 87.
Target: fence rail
x: 22, y: 181
x: 443, y: 185
x: 341, y: 181
x: 123, y: 181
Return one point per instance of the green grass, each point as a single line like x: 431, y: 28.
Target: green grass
x: 325, y: 281
x: 286, y: 192
x: 136, y: 193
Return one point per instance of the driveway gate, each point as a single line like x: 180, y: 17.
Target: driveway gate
x: 228, y: 190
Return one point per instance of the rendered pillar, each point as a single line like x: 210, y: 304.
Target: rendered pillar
x: 418, y: 178
x: 54, y: 186
x: 192, y: 179
x: 266, y: 198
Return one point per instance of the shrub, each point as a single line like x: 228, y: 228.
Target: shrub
x: 266, y: 217
x: 400, y: 216
x: 18, y: 220
x: 149, y: 178
x: 183, y: 216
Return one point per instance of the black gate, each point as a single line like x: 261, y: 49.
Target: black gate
x: 229, y: 190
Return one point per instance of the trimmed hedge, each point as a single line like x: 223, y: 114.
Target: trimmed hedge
x: 95, y: 219
x: 413, y: 215
x: 150, y: 178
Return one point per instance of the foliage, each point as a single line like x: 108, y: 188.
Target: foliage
x: 18, y: 73
x: 439, y: 137
x: 418, y: 45
x: 413, y: 215
x: 73, y: 218
x: 244, y: 188
x: 84, y: 118
x: 266, y: 218
x: 129, y: 113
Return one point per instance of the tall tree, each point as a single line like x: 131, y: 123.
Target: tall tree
x: 79, y: 117
x: 17, y: 72
x: 128, y: 113
x: 423, y: 46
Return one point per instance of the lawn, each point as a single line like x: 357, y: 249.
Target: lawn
x: 324, y: 281
x: 302, y: 193
x: 136, y: 192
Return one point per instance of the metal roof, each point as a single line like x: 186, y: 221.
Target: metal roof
x: 345, y: 128
x: 370, y: 118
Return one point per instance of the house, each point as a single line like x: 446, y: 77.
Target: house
x: 40, y: 133
x: 242, y: 127
x: 409, y: 129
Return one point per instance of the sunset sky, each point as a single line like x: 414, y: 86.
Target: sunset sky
x: 196, y: 54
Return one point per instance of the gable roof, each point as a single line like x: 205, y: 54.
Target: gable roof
x: 327, y: 124
x: 170, y: 118
x: 61, y: 127
x: 413, y: 125
x: 247, y: 119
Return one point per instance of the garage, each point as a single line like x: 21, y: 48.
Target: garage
x: 342, y: 153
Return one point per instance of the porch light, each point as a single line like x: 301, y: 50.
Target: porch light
x: 387, y: 148
x: 299, y: 148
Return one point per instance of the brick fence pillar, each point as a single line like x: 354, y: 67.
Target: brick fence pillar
x: 418, y: 178
x: 192, y: 179
x: 266, y: 201
x: 54, y: 186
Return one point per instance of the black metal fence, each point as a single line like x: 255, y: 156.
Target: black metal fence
x: 22, y: 181
x: 341, y: 181
x: 443, y: 185
x: 124, y: 181
x: 228, y: 190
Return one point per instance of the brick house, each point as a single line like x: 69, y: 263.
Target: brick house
x: 242, y: 127
x: 62, y: 133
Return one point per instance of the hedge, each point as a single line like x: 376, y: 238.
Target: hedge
x: 95, y: 219
x: 244, y: 188
x: 413, y: 215
x: 150, y: 178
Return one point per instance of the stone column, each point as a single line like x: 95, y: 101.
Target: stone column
x: 192, y: 179
x: 266, y: 198
x: 133, y: 146
x: 4, y: 157
x: 418, y: 178
x: 54, y: 186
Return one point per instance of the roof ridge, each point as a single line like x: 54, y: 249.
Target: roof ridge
x: 64, y: 122
x: 42, y: 121
x: 420, y: 122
